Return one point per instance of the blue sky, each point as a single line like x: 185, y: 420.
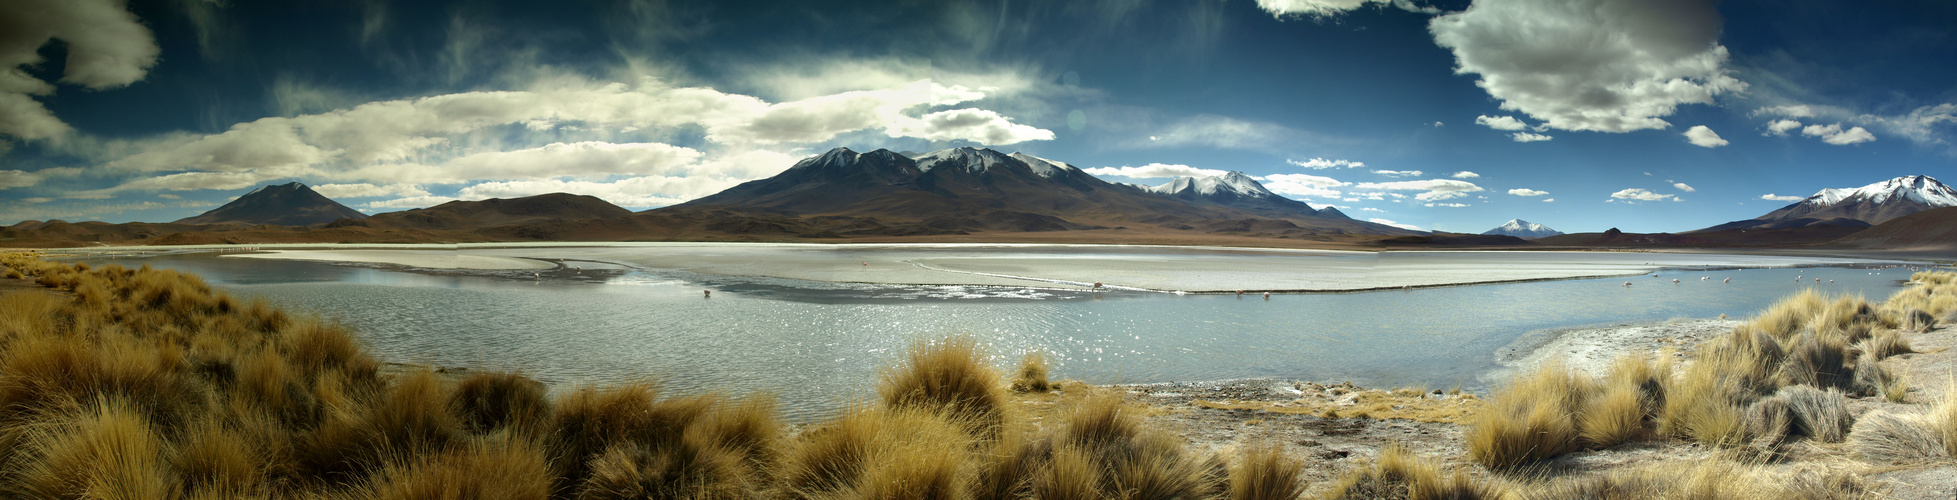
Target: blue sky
x: 1646, y: 115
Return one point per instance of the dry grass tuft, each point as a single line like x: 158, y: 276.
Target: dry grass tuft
x: 497, y: 470
x: 951, y: 377
x: 487, y: 401
x: 1533, y: 418
x: 1032, y: 374
x: 1400, y: 474
x: 1265, y: 473
x: 107, y: 450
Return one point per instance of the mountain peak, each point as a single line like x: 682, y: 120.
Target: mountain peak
x: 1918, y: 188
x: 1230, y: 183
x: 1523, y: 229
x: 973, y: 159
x: 289, y: 204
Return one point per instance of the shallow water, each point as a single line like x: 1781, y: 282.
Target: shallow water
x: 818, y: 344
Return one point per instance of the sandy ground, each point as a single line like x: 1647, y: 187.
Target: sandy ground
x: 1592, y: 349
x: 1146, y: 268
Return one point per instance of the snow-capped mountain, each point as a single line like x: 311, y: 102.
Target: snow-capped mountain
x: 1915, y: 188
x: 1236, y: 190
x: 1233, y: 184
x: 1523, y: 229
x: 978, y: 189
x: 1856, y: 207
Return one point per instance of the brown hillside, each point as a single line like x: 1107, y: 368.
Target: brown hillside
x: 1927, y: 229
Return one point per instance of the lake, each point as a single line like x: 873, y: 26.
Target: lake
x: 818, y: 344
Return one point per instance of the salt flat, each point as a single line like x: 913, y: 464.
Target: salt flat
x: 1154, y: 268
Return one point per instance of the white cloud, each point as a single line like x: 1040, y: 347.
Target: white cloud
x: 1409, y: 227
x: 364, y: 190
x: 1465, y: 175
x: 1434, y: 189
x: 10, y: 179
x: 396, y: 130
x: 1321, y: 163
x: 1528, y: 137
x: 582, y: 159
x: 1595, y: 65
x: 1400, y: 173
x: 1448, y: 205
x: 1795, y: 111
x: 1833, y: 134
x: 1154, y: 170
x: 1774, y: 197
x: 1635, y: 194
x: 983, y: 126
x: 1547, y: 200
x: 1332, y: 8
x: 1302, y: 185
x: 1229, y: 133
x: 1703, y: 136
x: 1507, y: 123
x: 1439, y: 124
x: 1527, y: 192
x: 1926, y: 125
x: 1920, y: 124
x: 457, y: 137
x: 1683, y: 187
x: 107, y: 47
x: 1781, y: 127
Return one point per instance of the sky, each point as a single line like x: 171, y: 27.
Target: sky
x: 1644, y: 115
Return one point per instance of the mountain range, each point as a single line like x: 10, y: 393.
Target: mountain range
x: 976, y: 194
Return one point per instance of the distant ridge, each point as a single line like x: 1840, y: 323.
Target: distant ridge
x: 470, y: 215
x: 289, y: 204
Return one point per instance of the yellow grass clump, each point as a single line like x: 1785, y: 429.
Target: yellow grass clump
x: 1399, y: 473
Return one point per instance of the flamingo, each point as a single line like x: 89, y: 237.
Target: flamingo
x: 1729, y: 280
x: 1267, y: 295
x: 706, y: 293
x: 1627, y: 283
x: 1674, y: 281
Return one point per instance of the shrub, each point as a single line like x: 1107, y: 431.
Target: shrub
x: 487, y: 401
x: 1532, y: 419
x: 108, y: 449
x: 1265, y: 473
x: 494, y: 470
x: 1398, y: 473
x: 949, y: 377
x: 1032, y: 374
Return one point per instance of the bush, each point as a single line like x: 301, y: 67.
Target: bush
x: 950, y: 377
x: 1032, y: 374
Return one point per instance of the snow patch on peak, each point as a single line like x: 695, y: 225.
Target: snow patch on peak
x: 975, y: 159
x: 1042, y: 166
x: 1232, y: 182
x: 1523, y: 229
